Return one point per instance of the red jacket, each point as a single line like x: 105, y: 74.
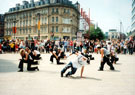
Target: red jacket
x: 71, y: 43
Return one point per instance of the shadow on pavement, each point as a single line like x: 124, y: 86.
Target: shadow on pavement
x: 113, y: 71
x: 49, y: 72
x: 118, y: 64
x: 90, y: 78
x: 7, y: 66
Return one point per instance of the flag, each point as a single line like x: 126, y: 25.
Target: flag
x: 81, y: 11
x: 14, y: 29
x: 38, y: 25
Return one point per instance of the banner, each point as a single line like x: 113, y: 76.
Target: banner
x: 14, y: 29
x: 38, y: 25
x: 81, y: 11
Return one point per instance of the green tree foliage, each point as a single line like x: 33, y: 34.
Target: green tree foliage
x: 95, y: 33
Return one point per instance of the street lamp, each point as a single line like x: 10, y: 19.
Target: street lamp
x: 71, y: 29
x: 38, y: 14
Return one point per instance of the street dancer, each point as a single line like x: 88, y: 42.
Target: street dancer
x: 74, y: 64
x: 105, y: 54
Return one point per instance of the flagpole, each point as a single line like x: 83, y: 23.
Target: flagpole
x: 89, y: 19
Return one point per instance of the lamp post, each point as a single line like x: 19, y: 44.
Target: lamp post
x: 71, y: 29
x: 38, y: 14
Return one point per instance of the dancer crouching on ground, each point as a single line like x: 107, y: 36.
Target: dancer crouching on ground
x: 57, y: 54
x: 105, y: 58
x: 26, y: 59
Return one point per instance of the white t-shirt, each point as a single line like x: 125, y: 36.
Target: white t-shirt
x: 37, y: 52
x: 109, y: 48
x: 79, y: 61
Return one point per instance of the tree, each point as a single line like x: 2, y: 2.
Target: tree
x: 95, y: 33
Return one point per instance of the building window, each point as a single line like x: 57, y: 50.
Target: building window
x: 37, y: 21
x: 6, y: 33
x: 45, y: 29
x: 66, y: 21
x: 68, y: 11
x: 52, y: 10
x: 64, y: 10
x: 56, y: 19
x: 30, y: 22
x: 45, y: 20
x: 52, y: 19
x: 26, y: 31
x: 42, y: 21
x: 30, y: 30
x: 23, y: 23
x: 20, y: 31
x: 20, y: 23
x: 30, y: 14
x: 52, y: 28
x: 23, y: 31
x: 57, y: 29
x: 57, y: 10
x: 26, y: 22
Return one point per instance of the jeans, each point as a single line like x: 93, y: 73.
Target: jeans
x: 71, y: 49
x: 125, y: 51
x: 73, y: 70
x: 65, y: 48
x: 131, y: 51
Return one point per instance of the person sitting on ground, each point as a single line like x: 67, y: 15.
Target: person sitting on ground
x: 26, y: 59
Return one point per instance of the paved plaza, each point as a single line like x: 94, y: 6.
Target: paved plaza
x: 47, y: 81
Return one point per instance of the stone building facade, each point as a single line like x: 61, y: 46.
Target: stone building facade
x: 1, y: 26
x: 58, y: 19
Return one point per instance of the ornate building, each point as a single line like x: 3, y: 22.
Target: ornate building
x: 113, y: 34
x: 133, y: 20
x: 1, y: 26
x: 58, y: 19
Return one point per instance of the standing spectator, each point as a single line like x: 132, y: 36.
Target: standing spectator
x: 121, y: 46
x: 71, y: 46
x: 22, y: 45
x: 65, y: 45
x: 57, y: 43
x: 32, y: 44
x: 61, y: 43
x: 42, y: 46
x: 4, y: 46
x: 125, y: 48
x: 0, y: 48
x: 26, y: 42
x: 12, y: 46
x: 130, y: 47
x: 47, y: 46
x: 16, y: 47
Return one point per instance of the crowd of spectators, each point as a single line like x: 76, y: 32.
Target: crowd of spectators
x: 44, y: 46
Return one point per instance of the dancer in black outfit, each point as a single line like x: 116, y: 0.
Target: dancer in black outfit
x: 58, y: 54
x: 26, y: 59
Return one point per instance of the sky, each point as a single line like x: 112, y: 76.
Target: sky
x: 106, y: 13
